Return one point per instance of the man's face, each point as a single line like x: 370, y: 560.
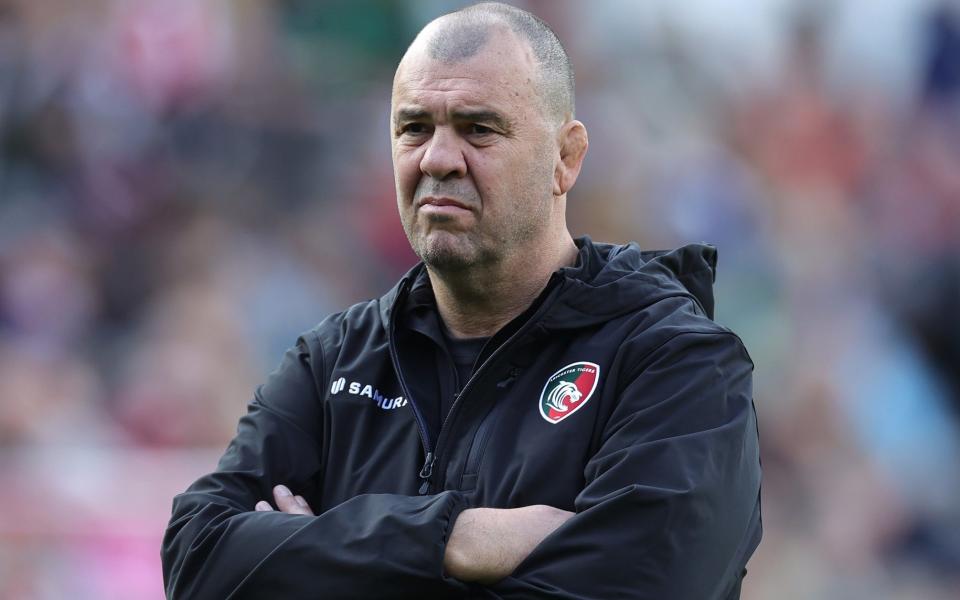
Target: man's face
x: 473, y: 153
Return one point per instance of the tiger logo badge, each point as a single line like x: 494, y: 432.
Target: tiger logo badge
x: 568, y: 389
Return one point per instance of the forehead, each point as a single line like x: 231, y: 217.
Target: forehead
x: 502, y: 74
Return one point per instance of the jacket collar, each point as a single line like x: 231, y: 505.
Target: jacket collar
x: 606, y: 281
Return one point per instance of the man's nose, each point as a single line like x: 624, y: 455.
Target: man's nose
x: 443, y: 157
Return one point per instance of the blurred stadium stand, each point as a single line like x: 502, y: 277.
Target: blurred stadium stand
x: 186, y: 185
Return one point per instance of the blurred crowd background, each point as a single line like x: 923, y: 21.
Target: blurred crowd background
x: 186, y: 185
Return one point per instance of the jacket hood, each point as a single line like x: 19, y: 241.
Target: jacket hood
x: 609, y: 280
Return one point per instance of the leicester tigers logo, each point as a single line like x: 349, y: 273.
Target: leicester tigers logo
x: 567, y: 390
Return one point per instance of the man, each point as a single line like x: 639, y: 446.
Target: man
x: 523, y: 415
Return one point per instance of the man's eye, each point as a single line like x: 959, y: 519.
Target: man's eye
x: 480, y: 129
x: 414, y: 128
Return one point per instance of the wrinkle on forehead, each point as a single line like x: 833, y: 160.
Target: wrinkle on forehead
x: 426, y: 82
x: 504, y: 63
x: 443, y: 96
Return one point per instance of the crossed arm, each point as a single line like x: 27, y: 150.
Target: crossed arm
x: 486, y: 544
x: 669, y: 510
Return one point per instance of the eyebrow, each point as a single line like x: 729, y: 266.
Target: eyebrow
x: 472, y: 116
x: 411, y: 114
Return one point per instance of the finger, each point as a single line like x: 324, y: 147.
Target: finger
x: 287, y: 502
x: 263, y: 506
x: 303, y: 504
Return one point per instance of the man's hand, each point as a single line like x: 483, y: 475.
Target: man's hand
x: 487, y: 544
x: 286, y: 502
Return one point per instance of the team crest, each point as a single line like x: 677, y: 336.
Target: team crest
x: 568, y: 389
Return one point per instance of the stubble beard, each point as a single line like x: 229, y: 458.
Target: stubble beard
x: 458, y: 251
x: 435, y: 239
x: 448, y: 251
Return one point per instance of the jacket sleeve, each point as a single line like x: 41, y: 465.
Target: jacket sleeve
x: 371, y: 546
x: 671, y: 504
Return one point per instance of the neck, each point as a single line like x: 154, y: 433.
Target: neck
x: 478, y: 302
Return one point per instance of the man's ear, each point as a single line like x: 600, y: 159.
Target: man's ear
x: 573, y: 147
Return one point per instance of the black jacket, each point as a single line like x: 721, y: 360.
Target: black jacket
x: 615, y: 396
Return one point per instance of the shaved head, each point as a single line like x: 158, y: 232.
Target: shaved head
x: 458, y: 36
x: 484, y: 142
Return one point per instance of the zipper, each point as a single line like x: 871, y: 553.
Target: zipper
x: 426, y: 472
x: 432, y: 452
x: 476, y: 375
x: 427, y: 468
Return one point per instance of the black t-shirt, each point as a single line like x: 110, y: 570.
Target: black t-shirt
x: 464, y: 353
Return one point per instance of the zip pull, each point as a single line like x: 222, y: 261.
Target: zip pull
x: 426, y: 472
x: 510, y: 378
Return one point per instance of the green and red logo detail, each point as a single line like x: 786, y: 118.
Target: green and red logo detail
x: 568, y: 389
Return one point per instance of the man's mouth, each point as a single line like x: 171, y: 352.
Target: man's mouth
x: 442, y: 206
